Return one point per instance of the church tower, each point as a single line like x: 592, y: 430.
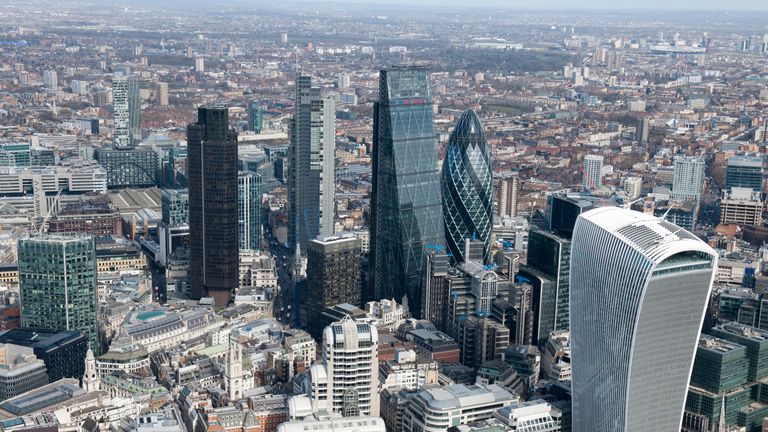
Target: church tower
x: 91, y: 380
x: 234, y: 370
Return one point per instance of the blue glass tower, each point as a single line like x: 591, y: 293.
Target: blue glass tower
x: 406, y: 210
x: 467, y: 188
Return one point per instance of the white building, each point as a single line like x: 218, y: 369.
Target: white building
x: 346, y: 381
x: 530, y: 416
x: 406, y: 372
x: 435, y: 409
x: 51, y: 80
x: 386, y: 314
x: 593, y: 172
x: 629, y: 267
x: 689, y: 178
x: 233, y: 375
x: 335, y: 424
x: 633, y: 186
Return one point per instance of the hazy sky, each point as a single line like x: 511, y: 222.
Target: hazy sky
x: 756, y: 5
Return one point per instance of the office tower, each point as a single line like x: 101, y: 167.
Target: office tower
x: 639, y: 289
x: 199, y: 64
x: 593, y: 172
x: 550, y: 255
x: 255, y: 117
x: 129, y: 167
x: 745, y: 172
x: 350, y: 354
x: 436, y: 288
x: 57, y: 281
x: 162, y: 93
x: 741, y: 206
x: 249, y: 210
x: 688, y: 180
x: 126, y: 105
x: 212, y: 170
x: 312, y: 165
x: 564, y: 208
x: 507, y: 191
x: 51, y: 80
x: 643, y: 130
x: 173, y: 231
x: 333, y: 269
x: 406, y: 210
x: 343, y: 80
x: 633, y: 186
x: 467, y: 188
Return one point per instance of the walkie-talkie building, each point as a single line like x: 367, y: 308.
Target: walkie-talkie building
x: 639, y: 289
x: 467, y: 186
x: 406, y: 207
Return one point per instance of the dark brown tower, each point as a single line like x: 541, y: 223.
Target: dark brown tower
x: 212, y: 165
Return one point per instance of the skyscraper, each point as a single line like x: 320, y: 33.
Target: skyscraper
x: 467, y: 187
x: 255, y: 116
x: 333, y: 264
x: 406, y: 204
x: 593, y: 172
x: 350, y: 353
x: 126, y: 104
x: 57, y: 280
x: 312, y: 165
x: 639, y: 289
x: 212, y: 169
x: 249, y: 209
x: 507, y: 191
x: 688, y: 181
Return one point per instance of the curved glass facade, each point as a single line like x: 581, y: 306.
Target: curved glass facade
x: 639, y: 288
x: 467, y: 188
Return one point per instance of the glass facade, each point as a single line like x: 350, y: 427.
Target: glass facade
x: 249, y: 210
x: 745, y: 171
x: 255, y: 117
x: 551, y: 255
x: 57, y: 279
x: 212, y: 168
x: 467, y: 187
x: 15, y: 154
x: 175, y: 204
x: 639, y: 290
x: 136, y: 167
x: 406, y: 202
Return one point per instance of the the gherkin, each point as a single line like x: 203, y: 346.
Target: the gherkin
x: 467, y: 188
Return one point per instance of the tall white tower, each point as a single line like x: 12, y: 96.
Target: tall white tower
x: 91, y: 380
x: 234, y: 370
x: 350, y: 352
x: 593, y: 172
x: 639, y: 289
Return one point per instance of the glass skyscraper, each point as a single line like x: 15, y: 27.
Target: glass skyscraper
x: 249, y: 209
x: 467, y: 186
x: 212, y: 169
x: 57, y: 279
x: 639, y: 289
x: 406, y: 209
